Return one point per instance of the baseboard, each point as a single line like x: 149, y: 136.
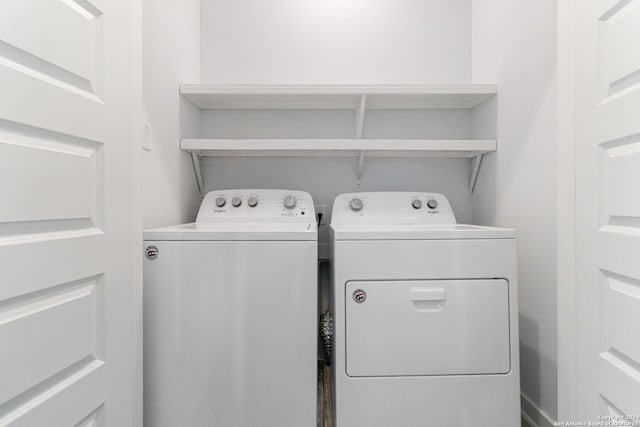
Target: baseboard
x: 533, y: 415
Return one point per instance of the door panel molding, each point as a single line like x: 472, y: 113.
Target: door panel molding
x: 70, y: 305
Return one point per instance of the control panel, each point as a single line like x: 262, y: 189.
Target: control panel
x: 256, y: 206
x: 392, y: 207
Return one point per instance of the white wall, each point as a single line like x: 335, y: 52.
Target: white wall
x: 335, y: 41
x: 514, y: 44
x: 171, y: 43
x: 325, y: 178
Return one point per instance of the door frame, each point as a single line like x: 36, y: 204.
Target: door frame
x: 137, y: 193
x: 566, y: 212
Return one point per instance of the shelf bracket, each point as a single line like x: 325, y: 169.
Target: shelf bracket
x: 475, y: 169
x: 198, y: 172
x: 360, y: 166
x: 360, y: 113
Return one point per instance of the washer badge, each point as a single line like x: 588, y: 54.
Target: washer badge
x: 151, y: 252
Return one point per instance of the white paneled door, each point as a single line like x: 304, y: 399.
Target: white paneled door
x: 69, y: 317
x: 608, y: 210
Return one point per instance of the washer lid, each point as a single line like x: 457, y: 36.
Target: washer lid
x: 419, y: 232
x: 245, y: 231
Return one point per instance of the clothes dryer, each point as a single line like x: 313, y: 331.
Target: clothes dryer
x: 426, y: 317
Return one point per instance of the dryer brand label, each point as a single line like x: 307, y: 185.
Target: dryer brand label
x: 359, y: 296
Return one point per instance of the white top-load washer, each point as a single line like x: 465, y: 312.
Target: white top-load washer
x: 426, y: 318
x: 230, y: 314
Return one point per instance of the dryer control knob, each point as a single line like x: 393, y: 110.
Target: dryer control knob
x: 432, y: 203
x: 356, y: 205
x: 417, y: 204
x: 236, y: 201
x: 289, y: 202
x: 220, y: 202
x: 252, y: 202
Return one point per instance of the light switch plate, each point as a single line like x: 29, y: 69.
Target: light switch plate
x: 147, y: 140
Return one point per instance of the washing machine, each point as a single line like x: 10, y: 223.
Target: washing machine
x: 426, y: 318
x: 230, y: 314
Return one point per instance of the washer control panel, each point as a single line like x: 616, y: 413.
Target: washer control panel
x: 392, y: 207
x: 256, y: 206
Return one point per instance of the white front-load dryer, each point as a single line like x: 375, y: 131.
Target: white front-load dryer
x: 426, y: 319
x: 230, y: 314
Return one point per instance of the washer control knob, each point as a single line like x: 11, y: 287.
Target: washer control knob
x: 417, y: 204
x: 356, y: 205
x: 221, y: 201
x: 252, y: 202
x: 432, y: 203
x: 236, y: 201
x: 290, y: 202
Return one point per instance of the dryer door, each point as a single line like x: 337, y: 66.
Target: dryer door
x: 429, y: 327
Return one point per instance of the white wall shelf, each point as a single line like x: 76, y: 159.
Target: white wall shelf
x: 337, y: 97
x: 337, y: 147
x: 359, y: 99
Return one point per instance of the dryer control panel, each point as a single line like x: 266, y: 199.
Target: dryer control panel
x: 392, y: 207
x: 256, y: 206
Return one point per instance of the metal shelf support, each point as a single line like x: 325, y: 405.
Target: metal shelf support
x: 360, y: 113
x: 475, y: 169
x: 360, y: 166
x: 195, y: 158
